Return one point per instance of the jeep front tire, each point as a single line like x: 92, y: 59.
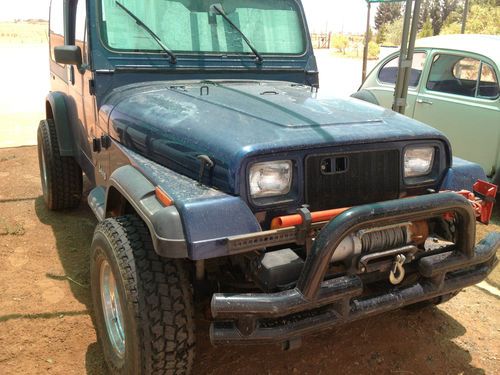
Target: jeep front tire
x: 142, y: 303
x: 61, y: 175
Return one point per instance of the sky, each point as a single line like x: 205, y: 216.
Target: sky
x: 322, y: 15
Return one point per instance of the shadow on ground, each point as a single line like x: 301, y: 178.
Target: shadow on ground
x: 73, y: 231
x: 399, y: 342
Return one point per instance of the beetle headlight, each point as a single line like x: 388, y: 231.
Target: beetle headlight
x: 271, y: 178
x: 418, y: 161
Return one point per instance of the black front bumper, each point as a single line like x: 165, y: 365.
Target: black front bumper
x: 315, y: 304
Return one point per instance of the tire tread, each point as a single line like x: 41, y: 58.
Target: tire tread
x: 65, y: 173
x: 160, y: 292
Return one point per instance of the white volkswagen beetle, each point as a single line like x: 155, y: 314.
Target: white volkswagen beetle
x: 453, y: 87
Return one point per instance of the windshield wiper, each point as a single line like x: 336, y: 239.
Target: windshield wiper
x: 173, y: 58
x: 250, y: 45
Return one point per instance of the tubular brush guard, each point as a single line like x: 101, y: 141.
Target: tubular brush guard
x: 315, y: 304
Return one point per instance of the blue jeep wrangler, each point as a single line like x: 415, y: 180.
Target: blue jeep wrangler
x: 219, y: 171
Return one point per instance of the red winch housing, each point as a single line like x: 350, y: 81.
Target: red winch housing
x: 482, y: 199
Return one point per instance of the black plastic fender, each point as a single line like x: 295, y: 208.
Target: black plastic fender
x: 56, y: 109
x: 164, y: 223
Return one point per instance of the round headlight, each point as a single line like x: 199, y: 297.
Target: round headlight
x: 269, y: 179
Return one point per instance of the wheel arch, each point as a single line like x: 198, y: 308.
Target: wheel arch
x: 57, y: 110
x: 129, y: 192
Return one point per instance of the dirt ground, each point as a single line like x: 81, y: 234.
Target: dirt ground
x: 45, y: 324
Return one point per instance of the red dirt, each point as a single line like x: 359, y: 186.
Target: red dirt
x: 45, y: 323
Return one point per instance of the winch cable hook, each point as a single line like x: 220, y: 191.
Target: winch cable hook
x: 397, y: 273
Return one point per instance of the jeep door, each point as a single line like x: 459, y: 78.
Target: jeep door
x: 81, y: 90
x: 460, y: 97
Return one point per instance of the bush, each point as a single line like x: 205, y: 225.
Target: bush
x: 340, y: 42
x: 452, y: 28
x: 427, y: 29
x: 373, y: 50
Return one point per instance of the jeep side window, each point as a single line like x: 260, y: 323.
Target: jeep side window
x: 389, y: 72
x: 463, y: 76
x: 80, y: 29
x: 56, y: 28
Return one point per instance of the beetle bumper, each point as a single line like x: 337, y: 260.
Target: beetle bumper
x: 315, y: 304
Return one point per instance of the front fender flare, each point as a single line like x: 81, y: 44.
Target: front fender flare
x: 164, y: 223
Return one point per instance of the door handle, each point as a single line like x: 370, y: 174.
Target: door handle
x: 423, y: 101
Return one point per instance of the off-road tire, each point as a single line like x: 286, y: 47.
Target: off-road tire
x: 155, y: 296
x: 61, y: 176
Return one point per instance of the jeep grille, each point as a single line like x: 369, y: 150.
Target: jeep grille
x: 348, y: 179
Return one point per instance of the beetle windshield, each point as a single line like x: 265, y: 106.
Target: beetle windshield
x: 191, y: 26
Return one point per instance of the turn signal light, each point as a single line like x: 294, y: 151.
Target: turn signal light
x: 163, y: 197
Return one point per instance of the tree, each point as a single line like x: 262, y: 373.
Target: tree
x: 441, y: 12
x: 381, y: 35
x: 426, y: 29
x: 482, y: 19
x: 386, y: 13
x: 394, y: 32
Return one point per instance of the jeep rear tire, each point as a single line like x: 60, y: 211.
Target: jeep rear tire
x: 143, y: 304
x: 61, y: 175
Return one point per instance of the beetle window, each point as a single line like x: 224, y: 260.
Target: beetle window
x: 56, y: 28
x: 273, y: 27
x: 488, y: 82
x: 466, y: 69
x: 389, y: 72
x: 465, y: 76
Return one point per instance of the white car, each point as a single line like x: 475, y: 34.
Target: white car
x: 454, y: 88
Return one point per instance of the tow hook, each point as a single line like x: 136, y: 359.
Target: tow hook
x: 397, y: 273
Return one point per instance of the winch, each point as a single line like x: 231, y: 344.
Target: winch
x: 382, y: 249
x: 380, y: 238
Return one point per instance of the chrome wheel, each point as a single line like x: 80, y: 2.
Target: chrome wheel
x: 113, y: 316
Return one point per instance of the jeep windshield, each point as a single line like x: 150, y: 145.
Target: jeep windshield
x: 192, y: 27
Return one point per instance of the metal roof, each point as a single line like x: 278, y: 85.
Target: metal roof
x: 486, y: 45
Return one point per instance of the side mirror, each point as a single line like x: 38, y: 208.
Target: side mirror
x: 67, y: 54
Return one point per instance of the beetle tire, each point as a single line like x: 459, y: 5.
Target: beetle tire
x: 155, y: 298
x: 61, y: 176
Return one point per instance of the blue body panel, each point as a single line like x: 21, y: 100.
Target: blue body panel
x: 463, y: 175
x: 208, y: 215
x: 235, y: 121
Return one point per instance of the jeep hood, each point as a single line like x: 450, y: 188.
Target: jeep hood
x: 230, y: 121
